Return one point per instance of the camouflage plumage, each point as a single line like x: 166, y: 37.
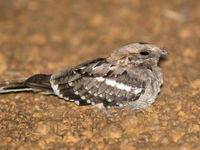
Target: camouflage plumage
x: 129, y: 78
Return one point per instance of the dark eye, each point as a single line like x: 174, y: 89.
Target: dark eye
x: 144, y: 53
x: 142, y: 42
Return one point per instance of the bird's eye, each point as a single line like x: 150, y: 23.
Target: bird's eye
x: 144, y: 53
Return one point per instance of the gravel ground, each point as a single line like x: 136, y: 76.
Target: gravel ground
x: 49, y: 36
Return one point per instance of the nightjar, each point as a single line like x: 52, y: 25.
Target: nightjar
x: 129, y: 78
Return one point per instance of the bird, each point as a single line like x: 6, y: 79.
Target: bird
x: 129, y: 78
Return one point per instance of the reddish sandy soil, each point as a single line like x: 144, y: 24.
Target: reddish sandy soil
x: 49, y: 36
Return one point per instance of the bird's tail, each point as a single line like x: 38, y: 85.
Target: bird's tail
x: 38, y: 82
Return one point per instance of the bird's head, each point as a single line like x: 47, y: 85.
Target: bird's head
x: 137, y: 54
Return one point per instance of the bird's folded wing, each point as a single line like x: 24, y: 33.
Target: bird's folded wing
x: 97, y: 81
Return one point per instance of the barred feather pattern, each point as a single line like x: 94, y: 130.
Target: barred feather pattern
x: 101, y: 83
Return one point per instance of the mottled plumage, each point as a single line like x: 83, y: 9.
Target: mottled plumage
x: 129, y: 78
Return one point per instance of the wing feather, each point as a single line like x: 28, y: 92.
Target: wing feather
x: 95, y: 82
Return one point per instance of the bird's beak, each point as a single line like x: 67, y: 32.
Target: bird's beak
x: 163, y: 52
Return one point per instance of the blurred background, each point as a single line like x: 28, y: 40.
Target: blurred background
x: 67, y: 32
x: 47, y: 36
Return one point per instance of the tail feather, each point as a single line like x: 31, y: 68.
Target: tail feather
x: 39, y: 82
x: 15, y: 85
x: 16, y: 89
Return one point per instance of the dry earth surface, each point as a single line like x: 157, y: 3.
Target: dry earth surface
x: 48, y: 36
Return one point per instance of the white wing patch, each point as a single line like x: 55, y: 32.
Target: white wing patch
x: 113, y: 83
x: 100, y: 79
x: 137, y: 91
